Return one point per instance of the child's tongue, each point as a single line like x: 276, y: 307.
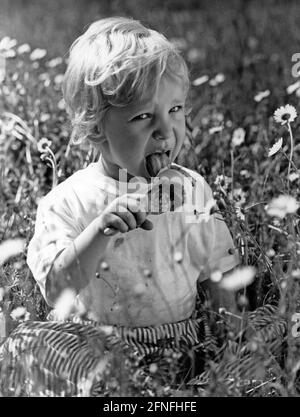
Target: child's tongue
x: 156, y: 162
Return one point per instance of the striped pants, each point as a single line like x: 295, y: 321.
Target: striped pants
x: 73, y: 358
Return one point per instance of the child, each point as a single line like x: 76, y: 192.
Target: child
x: 130, y: 267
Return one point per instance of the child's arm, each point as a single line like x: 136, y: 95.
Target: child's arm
x: 79, y: 262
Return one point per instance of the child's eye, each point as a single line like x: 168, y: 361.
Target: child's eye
x: 176, y: 109
x: 142, y: 116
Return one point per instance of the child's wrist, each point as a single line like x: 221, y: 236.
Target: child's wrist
x: 101, y: 228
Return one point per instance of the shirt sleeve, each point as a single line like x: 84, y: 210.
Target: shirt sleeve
x: 55, y: 230
x: 223, y: 254
x: 212, y: 238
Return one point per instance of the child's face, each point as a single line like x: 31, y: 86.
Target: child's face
x: 154, y: 125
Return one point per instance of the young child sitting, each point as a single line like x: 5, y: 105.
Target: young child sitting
x: 129, y: 265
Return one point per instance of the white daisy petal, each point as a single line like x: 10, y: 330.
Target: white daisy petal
x: 293, y: 87
x: 275, y: 148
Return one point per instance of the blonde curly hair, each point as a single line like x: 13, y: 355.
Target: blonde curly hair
x: 116, y: 61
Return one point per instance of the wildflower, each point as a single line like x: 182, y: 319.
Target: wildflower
x: 64, y: 304
x: 54, y: 62
x: 43, y: 145
x: 223, y: 181
x: 38, y: 53
x: 20, y: 313
x: 218, y: 79
x: 296, y: 273
x: 271, y: 253
x: 9, y: 54
x: 285, y: 114
x: 293, y: 87
x: 281, y: 206
x: 200, y: 80
x: 59, y: 78
x: 261, y: 95
x: 239, y: 214
x: 283, y: 285
x: 238, y: 279
x: 239, y: 196
x: 7, y: 43
x: 275, y: 148
x: 216, y: 129
x: 238, y: 137
x: 23, y: 49
x: 61, y: 104
x: 293, y: 176
x: 245, y: 173
x: 153, y: 368
x: 44, y: 117
x: 10, y: 248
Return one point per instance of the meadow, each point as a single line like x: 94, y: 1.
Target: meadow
x: 240, y: 58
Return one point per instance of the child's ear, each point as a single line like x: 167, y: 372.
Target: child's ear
x: 97, y: 143
x: 98, y: 138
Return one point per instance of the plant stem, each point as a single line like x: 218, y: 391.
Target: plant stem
x: 291, y: 153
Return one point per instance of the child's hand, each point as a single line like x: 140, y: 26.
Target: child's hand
x: 125, y: 213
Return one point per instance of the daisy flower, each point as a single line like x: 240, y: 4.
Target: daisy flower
x: 11, y: 248
x: 24, y: 48
x: 285, y: 114
x: 281, y: 206
x: 238, y: 137
x: 20, y: 313
x: 43, y: 145
x: 38, y: 53
x: 238, y: 279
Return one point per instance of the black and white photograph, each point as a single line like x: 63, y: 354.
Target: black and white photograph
x: 149, y: 201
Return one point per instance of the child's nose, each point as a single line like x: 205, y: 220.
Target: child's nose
x: 163, y: 130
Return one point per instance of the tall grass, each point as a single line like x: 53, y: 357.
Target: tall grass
x: 243, y: 49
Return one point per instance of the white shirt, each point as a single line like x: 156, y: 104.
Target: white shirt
x: 151, y: 275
